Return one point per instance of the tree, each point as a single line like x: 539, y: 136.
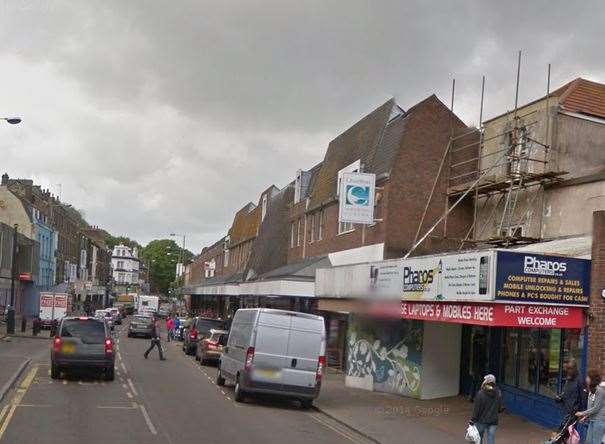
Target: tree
x: 112, y: 241
x: 161, y: 256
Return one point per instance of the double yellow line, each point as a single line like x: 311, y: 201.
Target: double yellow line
x: 5, y: 418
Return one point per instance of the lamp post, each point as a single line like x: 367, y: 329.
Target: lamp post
x: 10, y: 321
x: 181, y: 253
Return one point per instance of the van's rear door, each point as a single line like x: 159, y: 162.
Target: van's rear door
x: 271, y: 347
x: 306, y: 344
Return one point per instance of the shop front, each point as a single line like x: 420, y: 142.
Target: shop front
x: 438, y: 324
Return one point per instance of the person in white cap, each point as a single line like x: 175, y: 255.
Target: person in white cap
x: 488, y: 404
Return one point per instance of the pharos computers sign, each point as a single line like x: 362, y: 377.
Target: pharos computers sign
x: 356, y: 198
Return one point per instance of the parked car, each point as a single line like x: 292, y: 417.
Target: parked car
x: 209, y: 349
x: 141, y: 326
x: 82, y: 342
x: 116, y: 316
x: 106, y: 316
x: 274, y: 352
x: 198, y: 329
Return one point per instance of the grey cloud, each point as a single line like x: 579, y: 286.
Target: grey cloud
x: 160, y: 117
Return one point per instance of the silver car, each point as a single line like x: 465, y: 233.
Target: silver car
x: 274, y: 352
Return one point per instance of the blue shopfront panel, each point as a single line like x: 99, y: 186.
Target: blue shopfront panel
x: 534, y: 407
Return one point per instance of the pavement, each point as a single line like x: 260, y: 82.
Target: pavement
x: 387, y: 418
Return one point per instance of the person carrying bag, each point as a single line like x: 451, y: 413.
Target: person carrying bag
x: 488, y: 404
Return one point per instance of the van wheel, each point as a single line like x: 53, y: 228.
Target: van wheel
x: 54, y: 371
x: 306, y: 403
x: 239, y: 395
x: 220, y: 381
x: 109, y: 374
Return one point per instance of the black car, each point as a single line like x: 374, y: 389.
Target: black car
x: 82, y: 342
x: 199, y: 329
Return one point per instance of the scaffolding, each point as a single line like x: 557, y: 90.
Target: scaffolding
x: 498, y: 167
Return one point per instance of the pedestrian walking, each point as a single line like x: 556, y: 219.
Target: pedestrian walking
x: 595, y: 412
x: 177, y: 328
x: 155, y: 341
x: 169, y: 327
x: 488, y: 404
x: 572, y: 395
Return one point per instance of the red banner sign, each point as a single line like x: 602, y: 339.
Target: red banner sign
x: 496, y: 315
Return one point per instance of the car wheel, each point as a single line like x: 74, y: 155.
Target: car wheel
x: 130, y: 335
x: 54, y: 371
x: 239, y: 394
x: 220, y: 381
x: 306, y: 403
x: 109, y: 374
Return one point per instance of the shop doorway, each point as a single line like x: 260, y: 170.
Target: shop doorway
x: 476, y: 357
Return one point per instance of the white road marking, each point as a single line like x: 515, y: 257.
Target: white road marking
x: 148, y: 420
x: 340, y: 432
x: 123, y: 367
x: 129, y: 395
x: 125, y: 386
x: 228, y: 398
x: 3, y: 412
x: 223, y: 392
x: 64, y: 382
x: 134, y: 391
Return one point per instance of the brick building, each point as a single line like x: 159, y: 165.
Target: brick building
x: 386, y: 142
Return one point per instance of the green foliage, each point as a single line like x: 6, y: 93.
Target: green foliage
x: 112, y: 241
x: 161, y: 256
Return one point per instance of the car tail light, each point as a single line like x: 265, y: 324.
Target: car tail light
x: 193, y: 334
x: 57, y: 344
x: 108, y: 346
x: 321, y: 364
x: 212, y: 344
x: 249, y: 358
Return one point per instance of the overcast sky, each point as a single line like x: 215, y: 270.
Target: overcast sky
x: 157, y: 117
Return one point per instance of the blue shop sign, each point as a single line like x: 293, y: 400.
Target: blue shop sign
x: 536, y: 278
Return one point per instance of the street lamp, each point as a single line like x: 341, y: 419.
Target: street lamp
x: 181, y: 253
x: 11, y: 120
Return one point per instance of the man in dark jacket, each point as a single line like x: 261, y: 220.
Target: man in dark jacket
x: 573, y: 392
x: 155, y: 340
x: 488, y: 403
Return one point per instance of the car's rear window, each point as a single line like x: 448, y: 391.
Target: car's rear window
x: 142, y: 319
x: 89, y: 331
x: 205, y: 325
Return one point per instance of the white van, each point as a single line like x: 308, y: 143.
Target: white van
x: 274, y: 352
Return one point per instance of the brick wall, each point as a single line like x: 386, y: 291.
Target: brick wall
x: 196, y: 274
x: 417, y: 164
x: 596, y: 329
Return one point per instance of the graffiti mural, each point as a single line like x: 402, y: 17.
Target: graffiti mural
x: 384, y: 355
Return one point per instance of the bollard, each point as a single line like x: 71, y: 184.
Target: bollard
x: 36, y: 326
x: 23, y: 324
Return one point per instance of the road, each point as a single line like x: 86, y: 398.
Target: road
x: 150, y: 401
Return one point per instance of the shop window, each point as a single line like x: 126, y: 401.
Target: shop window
x: 510, y: 351
x: 550, y: 358
x: 532, y: 359
x: 528, y: 359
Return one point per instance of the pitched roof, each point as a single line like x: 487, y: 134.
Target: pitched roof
x: 245, y: 224
x: 358, y: 142
x: 582, y: 96
x: 270, y: 249
x: 303, y: 269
